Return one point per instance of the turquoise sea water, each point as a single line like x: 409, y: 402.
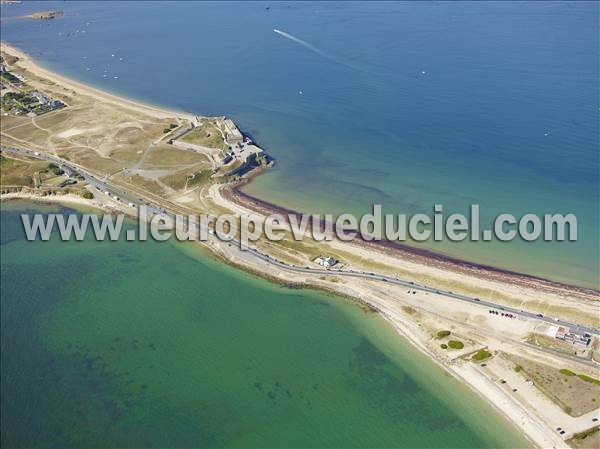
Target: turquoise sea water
x: 157, y: 345
x: 147, y: 344
x: 402, y: 104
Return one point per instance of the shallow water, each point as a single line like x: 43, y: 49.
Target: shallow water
x: 402, y: 104
x: 147, y: 344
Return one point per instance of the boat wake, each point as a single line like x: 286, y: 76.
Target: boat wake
x: 315, y: 49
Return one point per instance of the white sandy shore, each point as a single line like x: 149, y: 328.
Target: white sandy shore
x: 66, y: 199
x: 154, y: 111
x: 530, y: 425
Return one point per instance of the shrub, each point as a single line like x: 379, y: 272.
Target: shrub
x: 455, y: 344
x: 444, y: 346
x: 442, y: 334
x: 409, y: 310
x: 198, y: 177
x: 55, y: 169
x: 589, y: 379
x: 518, y: 368
x: 567, y: 372
x: 87, y: 195
x: 586, y: 433
x: 5, y: 162
x: 481, y: 354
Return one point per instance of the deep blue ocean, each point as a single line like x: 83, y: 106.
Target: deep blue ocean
x: 402, y: 104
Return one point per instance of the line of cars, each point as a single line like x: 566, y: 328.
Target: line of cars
x: 504, y: 314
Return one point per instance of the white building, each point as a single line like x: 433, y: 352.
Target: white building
x: 326, y: 262
x: 41, y: 98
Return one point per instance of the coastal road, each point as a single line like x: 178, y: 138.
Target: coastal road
x: 424, y: 288
x: 104, y: 186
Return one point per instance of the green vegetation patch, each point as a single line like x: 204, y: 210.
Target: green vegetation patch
x: 6, y: 162
x: 585, y: 434
x: 55, y: 169
x: 7, y: 76
x: 588, y: 379
x: 547, y: 342
x: 87, y: 195
x: 19, y: 173
x: 409, y: 310
x: 205, y: 134
x: 456, y: 344
x: 574, y: 395
x: 442, y: 334
x: 199, y: 177
x: 171, y: 127
x: 482, y: 354
x: 444, y: 346
x: 23, y: 102
x: 587, y: 439
x: 20, y: 97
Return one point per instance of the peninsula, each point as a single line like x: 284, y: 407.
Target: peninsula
x: 529, y: 346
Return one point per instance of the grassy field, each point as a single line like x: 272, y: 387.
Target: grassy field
x: 553, y: 343
x: 205, y: 134
x: 584, y: 377
x: 100, y: 135
x: 110, y: 140
x: 148, y: 185
x: 181, y: 179
x: 200, y: 177
x: 589, y: 439
x: 573, y: 394
x: 6, y: 162
x: 19, y: 173
x: 168, y: 156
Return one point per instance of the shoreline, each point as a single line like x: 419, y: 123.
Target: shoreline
x: 237, y: 195
x: 403, y: 326
x: 246, y: 200
x: 66, y: 199
x: 92, y: 91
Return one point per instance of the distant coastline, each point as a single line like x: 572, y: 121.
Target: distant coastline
x: 45, y: 15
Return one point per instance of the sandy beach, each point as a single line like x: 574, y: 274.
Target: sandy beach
x: 415, y: 316
x: 90, y: 91
x: 424, y: 256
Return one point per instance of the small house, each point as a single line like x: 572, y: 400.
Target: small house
x: 326, y: 261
